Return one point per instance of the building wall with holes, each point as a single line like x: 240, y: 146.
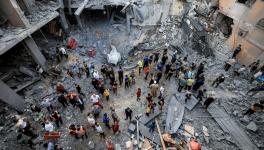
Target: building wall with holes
x: 247, y: 28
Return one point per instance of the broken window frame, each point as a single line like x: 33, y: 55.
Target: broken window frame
x: 260, y: 24
x: 248, y: 4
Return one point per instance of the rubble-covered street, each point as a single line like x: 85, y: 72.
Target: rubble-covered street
x: 201, y: 76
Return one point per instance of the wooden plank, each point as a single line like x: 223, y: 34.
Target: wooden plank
x: 174, y: 116
x: 231, y: 127
x: 146, y: 145
x: 190, y: 104
x: 146, y: 119
x: 161, y: 138
x: 144, y: 131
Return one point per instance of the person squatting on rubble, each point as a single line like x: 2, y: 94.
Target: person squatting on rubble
x: 218, y: 80
x: 255, y: 107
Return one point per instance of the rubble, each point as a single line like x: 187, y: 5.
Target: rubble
x: 252, y: 126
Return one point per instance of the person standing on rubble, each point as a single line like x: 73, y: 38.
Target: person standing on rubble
x: 86, y: 69
x: 115, y: 127
x: 156, y: 58
x: 91, y: 120
x: 126, y: 82
x: 152, y: 127
x: 199, y: 82
x: 46, y: 103
x: 79, y: 89
x: 208, y: 101
x: 114, y: 87
x: 154, y: 88
x: 254, y: 66
x: 56, y: 117
x: 218, y: 80
x: 106, y: 121
x: 145, y: 62
x: 106, y: 94
x: 140, y: 66
x: 120, y: 75
x: 146, y: 72
x: 236, y: 51
x: 229, y: 63
x: 161, y: 103
x: 128, y: 113
x: 81, y: 132
x: 99, y: 129
x: 60, y: 88
x: 138, y: 93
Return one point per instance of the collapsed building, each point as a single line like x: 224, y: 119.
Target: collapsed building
x: 30, y: 30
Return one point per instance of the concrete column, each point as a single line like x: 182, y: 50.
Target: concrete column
x: 69, y: 7
x: 10, y: 97
x: 14, y: 13
x: 64, y: 21
x: 35, y: 52
x: 29, y: 4
x: 128, y: 22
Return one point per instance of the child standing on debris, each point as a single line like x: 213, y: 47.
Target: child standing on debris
x: 161, y: 103
x: 138, y: 93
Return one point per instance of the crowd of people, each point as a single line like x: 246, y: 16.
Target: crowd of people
x: 156, y: 69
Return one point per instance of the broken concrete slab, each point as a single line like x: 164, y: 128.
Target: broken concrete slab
x: 190, y: 104
x: 146, y: 119
x: 252, y: 126
x: 27, y: 71
x: 174, y: 116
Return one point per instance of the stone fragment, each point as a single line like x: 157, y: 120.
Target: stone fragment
x: 252, y: 126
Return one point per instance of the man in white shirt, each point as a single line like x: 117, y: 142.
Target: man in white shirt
x: 91, y: 120
x: 95, y: 100
x: 49, y: 127
x: 99, y: 129
x: 162, y: 89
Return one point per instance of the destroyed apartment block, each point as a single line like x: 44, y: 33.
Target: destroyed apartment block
x: 140, y: 74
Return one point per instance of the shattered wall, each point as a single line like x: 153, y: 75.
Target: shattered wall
x: 245, y: 29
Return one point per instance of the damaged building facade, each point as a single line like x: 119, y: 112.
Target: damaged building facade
x: 246, y: 27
